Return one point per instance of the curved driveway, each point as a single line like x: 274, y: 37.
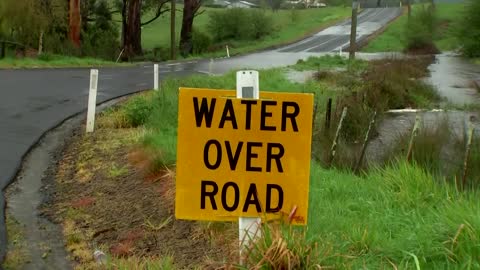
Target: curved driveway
x: 34, y: 101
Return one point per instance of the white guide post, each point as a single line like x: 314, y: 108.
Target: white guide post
x: 92, y: 100
x: 247, y: 87
x: 228, y: 51
x: 155, y: 76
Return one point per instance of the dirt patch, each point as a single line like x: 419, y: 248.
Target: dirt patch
x: 106, y: 200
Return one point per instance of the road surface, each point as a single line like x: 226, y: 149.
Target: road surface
x: 34, y: 101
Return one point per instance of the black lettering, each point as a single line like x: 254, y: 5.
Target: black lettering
x: 236, y: 196
x: 206, y: 150
x: 252, y: 198
x: 233, y: 159
x: 264, y: 115
x: 277, y: 156
x: 291, y: 115
x: 251, y: 155
x: 248, y: 113
x: 279, y: 189
x: 228, y: 115
x: 204, y: 111
x: 211, y: 194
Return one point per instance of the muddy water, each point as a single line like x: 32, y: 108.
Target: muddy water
x: 397, y: 125
x: 453, y: 77
x: 44, y: 243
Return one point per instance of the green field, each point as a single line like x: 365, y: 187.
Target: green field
x: 448, y: 14
x: 289, y: 26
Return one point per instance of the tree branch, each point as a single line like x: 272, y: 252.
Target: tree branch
x: 158, y: 13
x: 199, y: 13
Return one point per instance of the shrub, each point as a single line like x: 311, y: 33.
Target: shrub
x: 239, y: 23
x: 262, y: 25
x: 201, y: 42
x: 420, y: 29
x: 469, y: 32
x: 137, y: 111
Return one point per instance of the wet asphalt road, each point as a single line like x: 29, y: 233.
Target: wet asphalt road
x: 337, y: 37
x: 34, y: 101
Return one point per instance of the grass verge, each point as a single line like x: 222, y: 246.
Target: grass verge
x: 55, y: 61
x: 393, y: 38
x: 289, y: 26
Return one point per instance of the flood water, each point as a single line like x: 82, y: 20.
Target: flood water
x: 453, y: 77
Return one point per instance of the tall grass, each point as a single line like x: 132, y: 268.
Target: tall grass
x: 392, y: 217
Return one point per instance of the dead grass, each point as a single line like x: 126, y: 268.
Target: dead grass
x: 282, y: 247
x: 108, y: 199
x: 17, y: 254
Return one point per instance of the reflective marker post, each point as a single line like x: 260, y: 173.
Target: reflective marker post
x: 247, y: 87
x: 92, y: 100
x: 155, y: 76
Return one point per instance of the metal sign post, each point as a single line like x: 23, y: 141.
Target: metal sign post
x: 247, y: 87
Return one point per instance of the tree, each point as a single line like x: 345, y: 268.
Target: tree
x: 28, y: 20
x: 190, y: 9
x: 275, y: 4
x: 75, y: 22
x: 132, y: 32
x: 131, y: 11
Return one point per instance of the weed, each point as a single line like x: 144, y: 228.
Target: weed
x: 116, y: 171
x: 17, y: 255
x: 282, y: 247
x: 156, y: 227
x: 138, y: 110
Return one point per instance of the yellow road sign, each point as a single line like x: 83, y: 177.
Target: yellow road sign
x: 243, y: 157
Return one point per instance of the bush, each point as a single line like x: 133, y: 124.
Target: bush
x: 239, y: 23
x: 101, y: 39
x: 138, y: 111
x: 420, y: 29
x: 262, y: 25
x: 201, y: 42
x: 469, y: 32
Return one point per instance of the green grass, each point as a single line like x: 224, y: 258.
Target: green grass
x: 448, y: 14
x: 396, y: 217
x: 392, y: 217
x: 51, y: 61
x: 288, y: 27
x: 328, y: 62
